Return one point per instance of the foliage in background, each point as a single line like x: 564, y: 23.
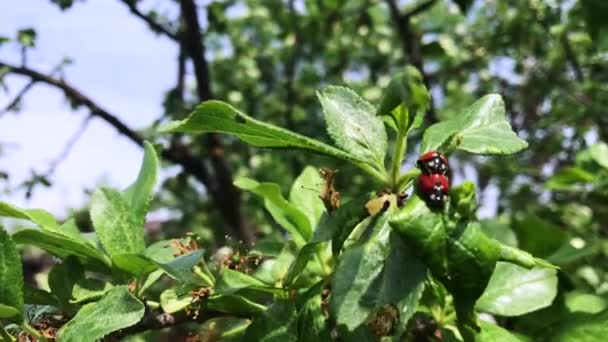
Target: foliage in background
x: 268, y: 59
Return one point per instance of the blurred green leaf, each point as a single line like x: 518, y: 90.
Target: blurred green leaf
x: 499, y: 231
x: 285, y: 213
x: 277, y: 323
x: 305, y: 193
x: 305, y: 255
x: 230, y: 281
x: 34, y: 296
x: 406, y: 89
x: 514, y: 290
x: 582, y: 327
x: 223, y: 328
x: 577, y: 301
x: 537, y: 236
x: 569, y: 178
x: 492, y: 332
x: 234, y: 304
x: 599, y: 153
x: 62, y: 278
x: 312, y: 323
x: 27, y: 37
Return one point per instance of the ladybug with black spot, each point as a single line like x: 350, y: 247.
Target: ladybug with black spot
x: 434, y: 188
x: 433, y: 162
x: 433, y: 183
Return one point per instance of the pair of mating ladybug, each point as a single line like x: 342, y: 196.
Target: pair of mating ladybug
x: 433, y: 183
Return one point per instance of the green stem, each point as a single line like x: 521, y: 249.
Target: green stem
x: 379, y: 176
x: 152, y: 304
x: 406, y: 179
x: 205, y: 277
x: 400, y: 148
x: 5, y: 336
x: 33, y: 332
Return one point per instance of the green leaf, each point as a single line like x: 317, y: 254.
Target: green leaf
x: 34, y: 296
x: 277, y: 324
x: 406, y: 99
x: 285, y: 213
x: 89, y: 289
x: 342, y: 221
x: 223, y: 329
x: 492, y: 332
x: 482, y: 129
x: 176, y: 298
x: 40, y: 217
x: 599, y: 153
x: 161, y: 251
x: 585, y: 302
x: 359, y: 266
x: 117, y: 228
x: 220, y: 117
x: 570, y: 178
x: 62, y: 278
x: 11, y: 279
x: 306, y: 254
x: 499, y: 231
x: 230, y: 281
x: 514, y: 290
x: 312, y: 323
x: 9, y: 312
x: 305, y: 192
x: 61, y: 246
x: 234, y: 304
x: 457, y: 253
x: 353, y: 125
x: 139, y: 194
x: 537, y: 236
x: 134, y: 263
x: 118, y: 309
x: 27, y: 37
x: 370, y: 279
x: 181, y: 268
x: 582, y: 328
x: 463, y: 199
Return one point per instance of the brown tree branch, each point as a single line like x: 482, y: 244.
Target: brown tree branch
x: 177, y: 154
x: 410, y: 41
x: 423, y: 6
x: 222, y: 188
x: 154, y: 25
x: 571, y: 56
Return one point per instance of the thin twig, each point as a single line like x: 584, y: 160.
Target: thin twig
x: 12, y: 105
x: 154, y: 25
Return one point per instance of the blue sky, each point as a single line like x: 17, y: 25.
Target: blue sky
x: 117, y: 61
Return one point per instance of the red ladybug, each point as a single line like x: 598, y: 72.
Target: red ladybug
x: 434, y: 189
x: 433, y: 162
